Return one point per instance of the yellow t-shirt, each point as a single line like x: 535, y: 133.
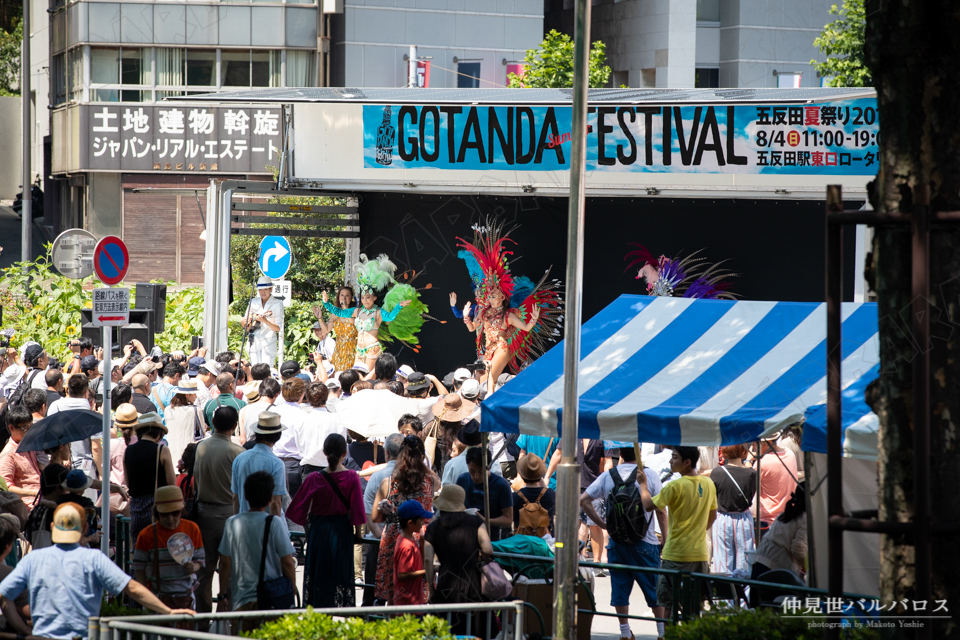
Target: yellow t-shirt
x: 690, y: 500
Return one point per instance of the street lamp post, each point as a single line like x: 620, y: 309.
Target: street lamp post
x: 26, y: 139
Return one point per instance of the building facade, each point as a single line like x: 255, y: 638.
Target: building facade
x: 704, y: 43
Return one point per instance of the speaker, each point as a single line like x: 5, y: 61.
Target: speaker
x: 137, y: 330
x: 153, y: 297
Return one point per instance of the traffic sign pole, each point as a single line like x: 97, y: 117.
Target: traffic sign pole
x: 105, y: 448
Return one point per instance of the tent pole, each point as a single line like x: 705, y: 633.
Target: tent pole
x: 759, y: 455
x: 484, y: 444
x: 568, y: 475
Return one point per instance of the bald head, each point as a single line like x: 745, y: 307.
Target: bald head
x: 140, y: 383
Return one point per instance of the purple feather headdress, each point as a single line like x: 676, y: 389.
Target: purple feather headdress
x: 688, y: 277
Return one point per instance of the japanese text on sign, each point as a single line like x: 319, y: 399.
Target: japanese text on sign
x: 111, y: 307
x: 173, y: 137
x: 830, y: 139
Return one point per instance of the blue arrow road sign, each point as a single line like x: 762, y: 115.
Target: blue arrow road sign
x: 275, y: 256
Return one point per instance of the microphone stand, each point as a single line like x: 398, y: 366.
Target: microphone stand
x: 246, y: 324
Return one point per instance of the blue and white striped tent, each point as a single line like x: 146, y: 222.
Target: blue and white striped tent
x: 693, y: 372
x: 861, y: 426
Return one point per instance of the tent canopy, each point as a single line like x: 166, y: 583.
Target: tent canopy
x: 693, y: 372
x: 861, y: 425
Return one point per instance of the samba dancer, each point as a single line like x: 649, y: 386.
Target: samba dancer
x: 374, y: 277
x: 344, y: 328
x: 514, y: 319
x: 262, y: 320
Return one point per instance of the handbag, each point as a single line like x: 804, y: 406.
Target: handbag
x: 198, y: 432
x: 431, y: 435
x: 493, y: 581
x: 276, y: 594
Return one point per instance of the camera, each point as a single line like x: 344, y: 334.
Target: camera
x: 5, y: 336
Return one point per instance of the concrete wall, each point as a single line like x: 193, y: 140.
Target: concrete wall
x: 660, y: 43
x: 372, y: 37
x: 760, y: 36
x: 10, y: 147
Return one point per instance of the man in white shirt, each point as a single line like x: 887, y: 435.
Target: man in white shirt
x: 263, y: 317
x: 291, y: 418
x: 86, y: 453
x: 206, y: 377
x: 269, y: 391
x: 316, y: 426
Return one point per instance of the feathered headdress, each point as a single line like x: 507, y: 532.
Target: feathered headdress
x: 373, y: 276
x: 487, y: 250
x: 687, y: 277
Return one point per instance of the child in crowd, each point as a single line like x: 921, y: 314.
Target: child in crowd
x: 408, y: 568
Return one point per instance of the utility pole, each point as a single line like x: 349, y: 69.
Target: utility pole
x: 568, y: 475
x: 26, y: 241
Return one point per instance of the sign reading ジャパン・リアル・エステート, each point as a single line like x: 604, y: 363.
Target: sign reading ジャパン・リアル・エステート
x: 833, y: 138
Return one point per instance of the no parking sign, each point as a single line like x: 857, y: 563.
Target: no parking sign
x: 111, y: 260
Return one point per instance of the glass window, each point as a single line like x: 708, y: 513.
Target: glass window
x: 135, y: 70
x: 235, y: 26
x: 58, y: 78
x: 104, y: 22
x: 301, y: 27
x: 169, y: 24
x: 265, y: 68
x: 75, y: 70
x: 104, y: 66
x: 201, y: 68
x: 269, y: 31
x: 708, y: 10
x: 235, y: 68
x: 169, y: 70
x: 202, y: 24
x: 301, y: 68
x: 469, y: 75
x: 136, y: 23
x: 707, y: 79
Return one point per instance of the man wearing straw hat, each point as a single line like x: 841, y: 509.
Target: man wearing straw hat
x: 262, y: 319
x: 260, y: 458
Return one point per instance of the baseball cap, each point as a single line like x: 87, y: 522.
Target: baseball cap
x: 461, y: 374
x: 146, y: 367
x: 212, y: 366
x: 193, y: 366
x: 470, y: 389
x: 68, y: 523
x: 289, y: 369
x: 89, y: 362
x: 332, y: 383
x: 413, y: 509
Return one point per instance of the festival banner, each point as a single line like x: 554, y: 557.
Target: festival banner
x: 832, y: 138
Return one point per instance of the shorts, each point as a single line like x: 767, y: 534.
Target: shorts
x: 665, y: 583
x: 601, y: 506
x: 642, y: 554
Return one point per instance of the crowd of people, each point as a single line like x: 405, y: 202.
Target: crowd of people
x: 215, y: 462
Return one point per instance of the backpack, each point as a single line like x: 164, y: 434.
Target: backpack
x: 627, y: 520
x: 534, y: 518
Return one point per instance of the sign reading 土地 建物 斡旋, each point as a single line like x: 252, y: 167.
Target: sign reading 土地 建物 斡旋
x: 178, y: 138
x: 833, y: 138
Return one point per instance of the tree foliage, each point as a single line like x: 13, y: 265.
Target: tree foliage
x: 550, y: 66
x: 842, y: 42
x: 10, y: 60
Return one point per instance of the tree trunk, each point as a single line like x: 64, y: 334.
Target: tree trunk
x: 913, y: 51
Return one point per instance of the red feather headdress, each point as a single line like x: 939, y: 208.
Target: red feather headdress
x: 488, y: 250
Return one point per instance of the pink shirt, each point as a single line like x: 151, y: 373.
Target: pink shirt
x: 777, y: 483
x: 316, y: 498
x: 20, y: 470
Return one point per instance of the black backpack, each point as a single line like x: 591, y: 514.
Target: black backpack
x: 627, y: 520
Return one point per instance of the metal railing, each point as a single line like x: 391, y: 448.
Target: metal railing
x: 226, y: 625
x: 688, y: 588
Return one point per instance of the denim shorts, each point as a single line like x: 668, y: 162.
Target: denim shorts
x: 642, y: 554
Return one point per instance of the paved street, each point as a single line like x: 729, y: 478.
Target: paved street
x: 10, y: 237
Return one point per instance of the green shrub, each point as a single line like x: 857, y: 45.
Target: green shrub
x: 764, y: 624
x: 316, y: 626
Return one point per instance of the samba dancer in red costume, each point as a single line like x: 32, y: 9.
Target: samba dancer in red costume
x: 514, y: 319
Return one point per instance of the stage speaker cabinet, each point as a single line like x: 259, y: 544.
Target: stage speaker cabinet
x: 153, y: 296
x: 138, y: 328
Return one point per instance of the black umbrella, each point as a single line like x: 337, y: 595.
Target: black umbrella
x: 61, y: 428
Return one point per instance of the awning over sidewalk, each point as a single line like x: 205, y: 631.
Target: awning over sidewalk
x: 693, y: 372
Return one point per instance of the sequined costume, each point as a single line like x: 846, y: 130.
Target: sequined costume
x: 488, y: 265
x: 346, y: 347
x: 365, y: 321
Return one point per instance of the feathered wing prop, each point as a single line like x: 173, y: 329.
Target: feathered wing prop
x: 527, y: 346
x: 408, y: 322
x: 688, y: 276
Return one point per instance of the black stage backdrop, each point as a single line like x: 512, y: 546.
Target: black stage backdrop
x: 777, y: 247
